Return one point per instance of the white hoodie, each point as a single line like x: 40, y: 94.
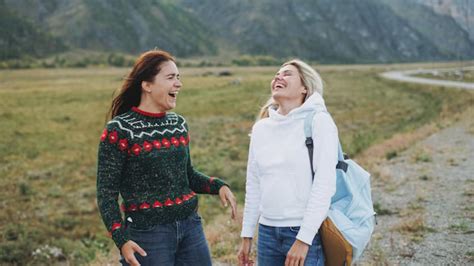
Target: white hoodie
x: 279, y: 187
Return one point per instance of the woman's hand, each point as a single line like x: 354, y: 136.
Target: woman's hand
x: 244, y: 252
x: 297, y: 254
x: 226, y: 196
x: 128, y: 252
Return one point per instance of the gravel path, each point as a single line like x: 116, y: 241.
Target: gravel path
x: 405, y: 76
x: 425, y: 198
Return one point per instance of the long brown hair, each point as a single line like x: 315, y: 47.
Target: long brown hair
x: 145, y: 69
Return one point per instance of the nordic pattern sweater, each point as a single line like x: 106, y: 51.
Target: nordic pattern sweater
x: 145, y: 158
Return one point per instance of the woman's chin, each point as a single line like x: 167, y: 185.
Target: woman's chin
x: 278, y: 96
x: 171, y: 106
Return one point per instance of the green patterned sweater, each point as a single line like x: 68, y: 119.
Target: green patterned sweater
x: 145, y: 158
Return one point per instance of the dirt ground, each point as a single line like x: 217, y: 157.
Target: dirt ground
x: 425, y: 201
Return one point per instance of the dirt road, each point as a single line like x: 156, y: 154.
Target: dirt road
x: 406, y: 76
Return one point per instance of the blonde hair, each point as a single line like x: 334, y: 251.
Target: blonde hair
x: 309, y: 77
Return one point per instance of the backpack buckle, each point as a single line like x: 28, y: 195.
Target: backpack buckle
x: 309, y: 142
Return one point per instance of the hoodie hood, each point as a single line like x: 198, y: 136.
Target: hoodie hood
x: 315, y: 102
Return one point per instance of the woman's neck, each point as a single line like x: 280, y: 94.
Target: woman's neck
x: 148, y: 106
x: 285, y: 107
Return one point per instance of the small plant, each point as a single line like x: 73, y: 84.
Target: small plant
x: 416, y: 206
x: 25, y: 189
x: 380, y: 210
x: 452, y: 162
x: 461, y: 227
x: 390, y: 155
x: 47, y: 253
x: 423, y: 157
x: 470, y: 255
x: 424, y: 178
x: 415, y: 228
x: 468, y: 193
x: 55, y: 191
x: 378, y: 253
x: 66, y: 223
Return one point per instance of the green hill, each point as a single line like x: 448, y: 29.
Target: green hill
x: 19, y: 38
x: 119, y: 26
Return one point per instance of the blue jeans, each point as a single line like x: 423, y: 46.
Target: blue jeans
x: 178, y: 243
x: 275, y: 242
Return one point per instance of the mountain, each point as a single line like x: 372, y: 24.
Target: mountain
x: 446, y: 31
x: 20, y: 38
x: 462, y: 11
x: 335, y: 31
x: 118, y: 25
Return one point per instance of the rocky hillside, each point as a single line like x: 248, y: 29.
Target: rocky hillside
x: 462, y: 11
x: 440, y: 23
x: 335, y: 30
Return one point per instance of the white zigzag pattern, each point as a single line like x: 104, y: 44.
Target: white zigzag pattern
x: 141, y: 134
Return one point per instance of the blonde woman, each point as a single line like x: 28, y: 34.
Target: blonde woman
x: 280, y: 194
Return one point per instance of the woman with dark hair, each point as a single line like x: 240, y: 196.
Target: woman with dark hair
x: 144, y: 156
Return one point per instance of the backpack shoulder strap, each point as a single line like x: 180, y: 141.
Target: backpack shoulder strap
x: 308, y: 128
x: 308, y: 133
x: 308, y: 124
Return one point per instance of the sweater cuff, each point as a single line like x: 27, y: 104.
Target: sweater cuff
x: 120, y: 238
x: 306, y: 235
x: 216, y: 185
x: 247, y: 231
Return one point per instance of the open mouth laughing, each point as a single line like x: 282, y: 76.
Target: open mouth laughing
x: 173, y: 94
x: 278, y: 85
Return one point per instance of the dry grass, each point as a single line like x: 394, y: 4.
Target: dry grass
x: 414, y: 227
x: 52, y: 119
x: 423, y: 155
x: 377, y: 254
x: 223, y: 236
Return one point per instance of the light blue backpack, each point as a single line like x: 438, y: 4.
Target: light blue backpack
x: 351, y: 210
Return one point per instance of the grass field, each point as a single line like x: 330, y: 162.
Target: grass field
x: 466, y: 76
x: 51, y: 121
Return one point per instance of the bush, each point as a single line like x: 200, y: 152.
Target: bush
x: 15, y: 252
x: 258, y: 60
x: 390, y: 155
x: 74, y: 60
x: 22, y: 245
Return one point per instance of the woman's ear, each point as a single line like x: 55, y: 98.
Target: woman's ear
x: 146, y: 86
